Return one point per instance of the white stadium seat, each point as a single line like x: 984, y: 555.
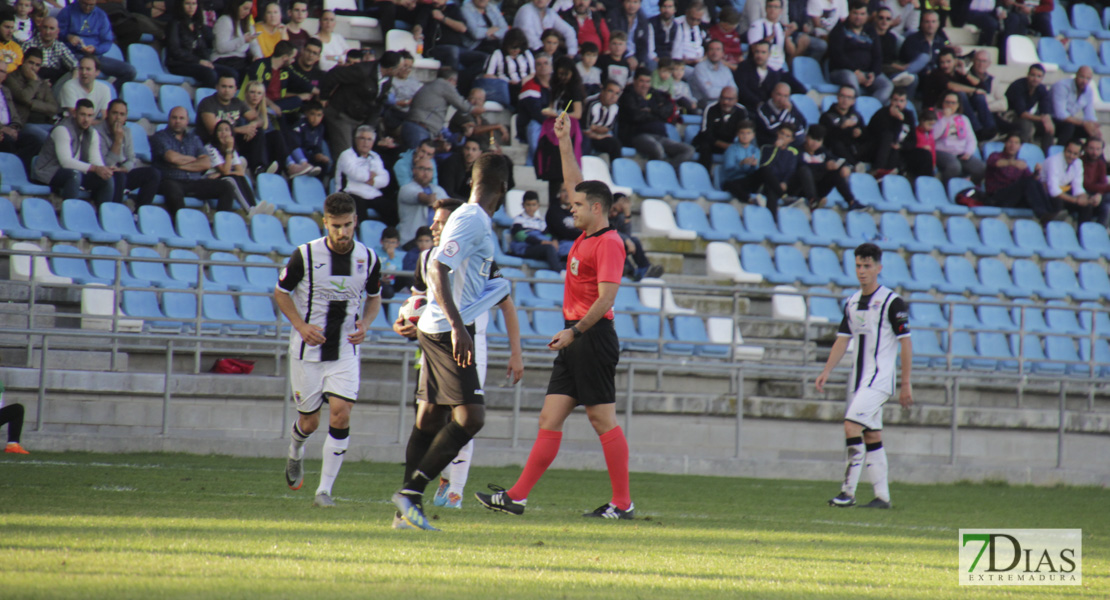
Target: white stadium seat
x: 594, y: 167
x: 20, y: 265
x: 98, y: 299
x: 1020, y: 50
x: 399, y: 39
x: 788, y: 306
x: 657, y: 220
x: 722, y: 262
x: 722, y: 330
x: 661, y: 297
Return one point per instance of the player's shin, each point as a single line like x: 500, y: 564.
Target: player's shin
x: 459, y: 469
x: 877, y: 470
x: 854, y: 468
x: 335, y: 447
x: 297, y: 442
x: 444, y: 448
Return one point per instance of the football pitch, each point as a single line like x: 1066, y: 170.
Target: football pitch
x: 80, y: 525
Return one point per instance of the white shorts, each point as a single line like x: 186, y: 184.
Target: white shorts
x: 866, y: 408
x: 312, y: 380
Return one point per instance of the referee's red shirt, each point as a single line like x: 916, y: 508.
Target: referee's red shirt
x: 593, y: 259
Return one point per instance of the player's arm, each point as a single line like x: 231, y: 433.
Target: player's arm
x: 905, y: 395
x: 512, y: 327
x: 606, y: 295
x: 572, y: 174
x: 440, y: 287
x: 290, y: 276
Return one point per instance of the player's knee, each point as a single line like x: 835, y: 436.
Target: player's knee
x: 870, y: 437
x: 309, y: 423
x: 474, y: 424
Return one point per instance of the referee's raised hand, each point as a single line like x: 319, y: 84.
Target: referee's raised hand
x: 562, y: 128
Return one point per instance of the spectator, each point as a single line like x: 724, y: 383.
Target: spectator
x: 227, y: 165
x: 270, y: 31
x: 1015, y: 21
x: 769, y: 29
x: 306, y: 138
x: 335, y: 45
x: 445, y: 39
x: 507, y: 69
x: 71, y: 160
x: 422, y: 242
x: 22, y: 23
x: 554, y: 44
x: 984, y: 100
x: 754, y: 78
x: 485, y: 26
x: 275, y: 145
x: 664, y: 28
x: 825, y: 15
x: 601, y: 122
x: 922, y: 48
x: 589, y: 25
x: 887, y: 135
x: 905, y: 18
x: 617, y: 65
x: 889, y: 43
x: 712, y: 75
x: 984, y: 15
x: 560, y: 223
x: 403, y: 168
x: 776, y: 112
x: 1030, y: 107
x: 86, y: 86
x: 1073, y: 107
x: 638, y: 34
x: 795, y: 22
x: 11, y: 53
x: 919, y: 150
x: 820, y: 170
x: 534, y: 106
x: 956, y: 143
x: 775, y: 176
x: 25, y: 142
x: 356, y: 94
x: 740, y: 163
x: 415, y: 198
x: 719, y: 123
x: 180, y: 155
x: 118, y: 153
x: 87, y: 31
x: 363, y: 175
x: 535, y: 17
x: 270, y: 72
x: 484, y: 130
x: 567, y: 89
x: 1063, y: 178
x: 689, y: 46
x: 680, y: 91
x: 588, y: 70
x: 304, y: 75
x: 731, y: 39
x: 620, y: 219
x: 949, y: 76
x: 1010, y: 184
x: 403, y: 86
x: 1094, y: 176
x: 189, y: 46
x: 57, y: 59
x: 294, y: 29
x: 844, y: 127
x: 457, y: 167
x: 34, y: 100
x: 225, y: 105
x: 388, y: 243
x: 234, y: 33
x: 643, y: 114
x: 427, y: 113
x: 528, y: 237
x: 856, y: 58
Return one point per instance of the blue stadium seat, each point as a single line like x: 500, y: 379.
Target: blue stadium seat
x: 1101, y: 356
x: 524, y: 296
x: 755, y: 259
x: 651, y: 326
x: 80, y: 217
x: 105, y: 268
x: 548, y: 322
x: 805, y: 105
x: 994, y: 316
x: 1093, y: 278
x: 628, y: 299
x: 790, y: 262
x: 758, y: 221
x: 229, y: 227
x: 529, y: 337
x: 691, y: 330
x: 1029, y: 317
x: 263, y: 277
x: 188, y: 272
x: 1094, y: 237
x: 794, y: 224
x: 193, y: 224
x: 867, y: 107
x: 661, y: 175
x: 1030, y: 235
x: 267, y: 230
x: 895, y: 273
x: 234, y: 277
x: 627, y: 173
x: 309, y: 191
x: 154, y: 221
x: 962, y: 232
x: 370, y: 233
x: 172, y: 96
x: 824, y: 261
x: 153, y: 270
x: 148, y: 66
x: 861, y: 227
x: 696, y: 179
x: 1052, y: 51
x: 1028, y: 276
x: 994, y: 274
x: 995, y: 233
x: 1060, y: 277
x: 894, y: 227
x: 1062, y: 27
x: 201, y: 94
x: 898, y: 191
x: 990, y: 148
x: 629, y: 335
x: 927, y: 271
x: 141, y: 104
x: 1101, y: 319
x: 114, y: 52
x: 141, y: 141
x: 925, y: 314
x: 996, y: 346
x: 274, y: 190
x: 10, y: 225
x: 1060, y: 318
x: 964, y: 351
x: 828, y: 230
x: 960, y: 272
x: 75, y: 268
x: 962, y: 314
x: 1061, y: 237
x: 303, y: 229
x: 826, y: 307
x: 866, y: 190
x: 38, y: 215
x: 926, y: 349
x: 14, y: 177
x: 808, y: 72
x: 144, y: 305
x: 551, y: 291
x: 930, y: 193
x: 258, y: 309
x: 929, y: 231
x: 1085, y: 18
x: 181, y: 307
x: 221, y: 307
x: 688, y: 215
x: 1060, y: 348
x: 959, y: 184
x: 724, y: 218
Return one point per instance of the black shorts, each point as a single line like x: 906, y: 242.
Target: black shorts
x: 442, y: 381
x: 585, y: 370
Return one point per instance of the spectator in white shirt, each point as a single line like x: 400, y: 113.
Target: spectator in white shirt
x: 771, y: 30
x: 363, y: 176
x: 825, y: 14
x: 1073, y: 107
x: 689, y: 42
x: 86, y: 86
x: 712, y: 74
x: 535, y: 17
x: 1063, y: 178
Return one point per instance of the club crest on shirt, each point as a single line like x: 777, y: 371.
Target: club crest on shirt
x: 574, y: 265
x: 451, y: 248
x: 361, y: 265
x: 297, y: 395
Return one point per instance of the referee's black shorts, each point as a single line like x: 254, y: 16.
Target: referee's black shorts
x: 585, y: 370
x: 442, y: 381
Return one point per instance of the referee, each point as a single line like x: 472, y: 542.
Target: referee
x: 588, y: 347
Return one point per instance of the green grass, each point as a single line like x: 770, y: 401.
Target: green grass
x: 176, y: 526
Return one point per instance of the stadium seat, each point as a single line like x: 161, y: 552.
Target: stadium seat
x: 625, y: 326
x: 990, y: 148
x: 140, y: 141
x: 172, y: 96
x: 661, y: 175
x: 202, y: 93
x: 595, y: 168
x: 997, y: 317
x: 627, y: 173
x: 38, y: 215
x: 655, y: 295
x: 755, y: 259
x: 261, y: 276
x: 10, y: 225
x: 790, y: 262
x: 894, y: 227
x: 153, y: 270
x: 959, y: 184
x: 959, y: 272
x: 1060, y: 277
x: 1020, y: 50
x: 898, y: 191
x: 370, y: 233
x: 551, y: 290
x: 658, y: 327
x: 524, y: 296
x: 399, y: 39
x: 965, y: 356
x: 961, y: 313
x: 657, y: 220
x: 1061, y: 318
x: 1093, y: 278
x: 503, y: 259
x: 927, y: 271
x: 758, y: 221
x: 1030, y: 235
x: 1085, y: 18
x: 105, y: 268
x: 825, y: 307
x: 926, y: 349
x: 267, y: 230
x: 789, y: 305
x: 193, y: 224
x: 1093, y: 237
x: 1061, y: 27
x: 1028, y: 317
x: 14, y: 177
x: 181, y: 307
x: 929, y: 231
x: 866, y: 190
x: 258, y: 309
x: 154, y: 221
x: 805, y: 105
x: 828, y: 230
x: 824, y: 261
x: 1062, y: 349
x: 808, y: 72
x: 794, y: 224
x: 141, y: 104
x: 1081, y: 52
x: 930, y: 193
x: 1061, y: 238
x: 996, y: 234
x: 690, y: 216
x: 962, y: 232
x: 1027, y: 275
x: 867, y: 106
x: 548, y: 322
x: 75, y: 268
x: 725, y: 218
x: 896, y: 274
x: 274, y: 190
x: 1101, y: 357
x: 628, y: 298
x: 723, y: 330
x: 303, y: 230
x: 190, y: 272
x: 994, y: 274
x: 924, y: 312
x: 722, y: 262
x: 229, y: 227
x: 148, y: 66
x: 996, y: 346
x: 21, y: 268
x: 1052, y: 52
x: 695, y: 179
x: 309, y: 191
x: 80, y: 217
x: 219, y: 311
x: 234, y: 277
x: 861, y: 228
x: 144, y: 305
x: 691, y: 330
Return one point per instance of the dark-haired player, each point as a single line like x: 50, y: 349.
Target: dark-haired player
x: 588, y: 348
x: 878, y: 319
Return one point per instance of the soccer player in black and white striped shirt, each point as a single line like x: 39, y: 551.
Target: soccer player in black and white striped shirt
x: 878, y: 320
x: 320, y: 291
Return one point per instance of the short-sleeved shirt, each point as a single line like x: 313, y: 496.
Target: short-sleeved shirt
x: 877, y: 321
x: 231, y: 112
x: 593, y: 259
x: 189, y: 145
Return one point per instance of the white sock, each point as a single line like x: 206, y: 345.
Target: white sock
x: 297, y: 442
x: 877, y: 470
x: 855, y: 466
x: 333, y: 459
x: 459, y: 469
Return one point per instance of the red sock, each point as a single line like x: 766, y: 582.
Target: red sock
x: 615, y: 446
x: 540, y: 458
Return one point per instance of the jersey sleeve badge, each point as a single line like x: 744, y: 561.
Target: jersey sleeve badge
x: 451, y: 248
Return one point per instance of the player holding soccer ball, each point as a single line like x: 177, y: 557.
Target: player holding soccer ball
x: 320, y: 291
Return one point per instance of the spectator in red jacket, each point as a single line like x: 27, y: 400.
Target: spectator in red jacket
x: 588, y: 23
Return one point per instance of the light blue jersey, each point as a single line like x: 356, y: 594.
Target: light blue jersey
x: 466, y: 246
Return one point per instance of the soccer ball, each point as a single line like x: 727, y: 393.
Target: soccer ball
x: 413, y: 308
